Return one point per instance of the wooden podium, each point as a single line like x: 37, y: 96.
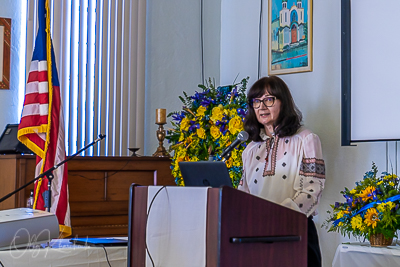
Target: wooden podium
x: 241, y: 230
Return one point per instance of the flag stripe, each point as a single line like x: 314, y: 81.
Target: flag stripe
x: 37, y: 99
x: 36, y: 76
x: 42, y: 124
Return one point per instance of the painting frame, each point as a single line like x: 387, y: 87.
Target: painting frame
x: 5, y: 52
x: 290, y: 36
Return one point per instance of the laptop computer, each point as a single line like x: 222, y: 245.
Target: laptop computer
x: 100, y: 241
x: 205, y: 173
x: 9, y: 143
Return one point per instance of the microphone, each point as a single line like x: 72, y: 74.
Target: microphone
x: 241, y: 137
x: 100, y: 137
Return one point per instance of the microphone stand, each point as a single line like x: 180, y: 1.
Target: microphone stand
x: 226, y: 157
x: 49, y: 174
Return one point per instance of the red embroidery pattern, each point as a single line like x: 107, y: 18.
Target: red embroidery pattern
x: 271, y: 156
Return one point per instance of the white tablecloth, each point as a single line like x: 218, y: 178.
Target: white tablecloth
x: 176, y: 228
x: 362, y: 254
x: 63, y: 253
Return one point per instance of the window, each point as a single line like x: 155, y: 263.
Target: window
x: 99, y: 48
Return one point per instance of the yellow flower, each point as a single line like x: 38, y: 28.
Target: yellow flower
x: 201, y: 133
x: 371, y: 217
x: 235, y: 125
x: 217, y: 113
x: 181, y: 154
x: 194, y: 158
x: 185, y: 123
x: 353, y: 191
x: 340, y: 214
x: 380, y: 182
x: 391, y: 183
x: 181, y: 137
x: 188, y: 141
x: 200, y: 111
x: 229, y: 162
x: 381, y: 207
x: 237, y: 163
x: 390, y: 176
x: 390, y: 205
x: 214, y: 131
x: 237, y: 157
x: 224, y: 141
x: 356, y: 222
x: 367, y: 193
x: 385, y: 206
x: 180, y: 181
x: 232, y: 112
x: 234, y: 154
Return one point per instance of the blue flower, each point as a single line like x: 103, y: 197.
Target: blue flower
x: 224, y: 89
x: 178, y: 116
x: 194, y: 126
x: 197, y: 96
x: 374, y: 197
x: 241, y: 112
x: 349, y: 199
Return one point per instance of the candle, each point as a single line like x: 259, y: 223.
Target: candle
x: 161, y: 117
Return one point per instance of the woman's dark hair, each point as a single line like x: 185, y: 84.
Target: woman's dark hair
x: 290, y: 117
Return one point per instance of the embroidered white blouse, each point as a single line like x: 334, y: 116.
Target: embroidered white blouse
x: 289, y: 171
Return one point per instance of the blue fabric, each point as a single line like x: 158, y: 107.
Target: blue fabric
x: 370, y: 205
x: 40, y: 50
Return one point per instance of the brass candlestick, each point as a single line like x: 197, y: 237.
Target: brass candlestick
x: 161, y: 152
x: 161, y: 119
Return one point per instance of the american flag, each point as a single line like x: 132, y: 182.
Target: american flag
x: 42, y: 123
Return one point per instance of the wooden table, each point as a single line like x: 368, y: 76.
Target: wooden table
x: 98, y: 188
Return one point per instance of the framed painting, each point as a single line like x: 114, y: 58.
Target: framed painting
x: 5, y: 52
x: 289, y: 36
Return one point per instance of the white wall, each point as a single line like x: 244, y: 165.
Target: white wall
x: 173, y: 35
x: 231, y: 48
x: 9, y: 107
x: 173, y: 56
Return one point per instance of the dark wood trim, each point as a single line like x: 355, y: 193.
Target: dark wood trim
x: 5, y: 79
x: 213, y: 230
x: 137, y: 230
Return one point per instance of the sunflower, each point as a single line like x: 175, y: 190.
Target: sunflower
x: 371, y: 217
x: 367, y: 193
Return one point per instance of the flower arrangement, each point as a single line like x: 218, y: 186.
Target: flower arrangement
x: 372, y: 207
x: 209, y: 121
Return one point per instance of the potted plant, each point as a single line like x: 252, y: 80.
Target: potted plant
x: 370, y: 210
x: 209, y: 121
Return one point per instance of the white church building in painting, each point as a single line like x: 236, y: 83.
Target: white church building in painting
x: 289, y: 28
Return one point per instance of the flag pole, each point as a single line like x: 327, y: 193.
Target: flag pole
x: 49, y: 173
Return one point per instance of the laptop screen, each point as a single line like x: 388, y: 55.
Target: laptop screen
x: 205, y: 173
x: 9, y: 143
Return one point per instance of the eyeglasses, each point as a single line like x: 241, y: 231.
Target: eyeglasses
x: 268, y: 102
